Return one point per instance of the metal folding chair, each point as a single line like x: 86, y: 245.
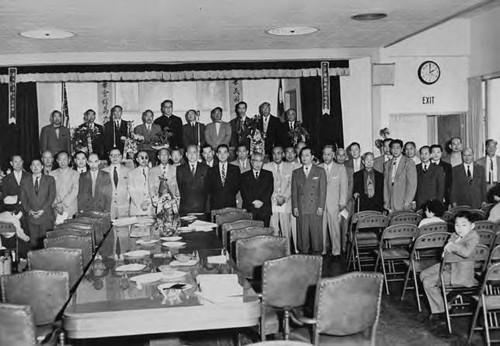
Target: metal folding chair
x: 405, y: 218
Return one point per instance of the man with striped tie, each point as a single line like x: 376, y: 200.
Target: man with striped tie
x: 469, y: 183
x: 223, y: 181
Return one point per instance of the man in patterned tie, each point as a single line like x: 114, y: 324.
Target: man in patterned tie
x: 223, y: 180
x: 164, y: 170
x: 368, y: 186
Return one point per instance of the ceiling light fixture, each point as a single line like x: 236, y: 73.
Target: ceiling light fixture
x: 292, y: 30
x: 369, y: 16
x: 47, y: 34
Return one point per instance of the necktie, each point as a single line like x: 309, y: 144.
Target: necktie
x: 490, y: 173
x: 223, y: 174
x: 291, y: 126
x: 93, y: 184
x: 369, y: 187
x: 36, y: 185
x: 469, y: 174
x: 115, y: 177
x: 193, y: 170
x: 307, y: 171
x: 393, y: 175
x: 278, y: 169
x: 144, y: 174
x: 149, y: 128
x: 425, y: 168
x: 117, y: 124
x: 328, y: 169
x: 491, y: 164
x: 256, y: 175
x: 193, y: 124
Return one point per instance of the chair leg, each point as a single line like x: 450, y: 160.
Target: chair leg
x: 417, y: 292
x: 286, y: 325
x: 61, y: 338
x: 445, y: 300
x: 262, y: 321
x: 385, y: 275
x: 474, y: 321
x: 358, y: 259
x: 407, y: 276
x: 486, y: 324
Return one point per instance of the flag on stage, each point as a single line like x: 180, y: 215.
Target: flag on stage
x: 281, y: 104
x: 64, y: 106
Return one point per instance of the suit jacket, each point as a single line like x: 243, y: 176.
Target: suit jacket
x: 257, y: 189
x: 112, y: 136
x: 448, y: 179
x: 98, y: 141
x: 240, y: 132
x: 405, y: 184
x: 272, y: 136
x: 350, y: 163
x: 193, y: 190
x: 191, y: 135
x: 215, y: 140
x: 284, y: 133
x: 174, y: 123
x: 49, y: 140
x: 282, y: 185
x: 376, y: 202
x: 10, y: 187
x: 430, y: 184
x: 154, y: 180
x: 463, y: 193
x: 482, y: 162
x: 41, y: 201
x: 350, y: 174
x: 337, y: 187
x: 120, y: 200
x: 462, y: 273
x: 379, y: 163
x: 150, y: 137
x: 242, y: 168
x: 138, y: 189
x: 101, y: 200
x: 223, y: 196
x: 67, y: 189
x: 309, y: 194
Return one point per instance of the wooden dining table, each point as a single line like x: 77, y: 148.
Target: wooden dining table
x: 108, y: 303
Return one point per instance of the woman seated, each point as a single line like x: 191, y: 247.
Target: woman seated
x: 433, y: 211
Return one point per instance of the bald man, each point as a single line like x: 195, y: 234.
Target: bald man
x: 469, y: 182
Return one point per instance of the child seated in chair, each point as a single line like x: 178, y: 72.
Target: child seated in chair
x: 462, y: 243
x: 433, y: 211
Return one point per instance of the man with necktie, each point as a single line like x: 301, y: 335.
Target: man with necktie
x: 171, y: 123
x: 55, y: 137
x: 166, y: 171
x: 95, y: 131
x: 241, y: 126
x: 490, y: 164
x: 114, y: 130
x: 469, y: 182
x: 120, y: 201
x: 270, y: 127
x: 223, y: 181
x: 95, y: 188
x: 218, y: 132
x: 150, y: 132
x: 430, y: 179
x: 138, y: 187
x: 368, y: 186
x: 193, y: 132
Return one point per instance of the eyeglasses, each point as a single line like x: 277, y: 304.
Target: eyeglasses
x: 143, y: 157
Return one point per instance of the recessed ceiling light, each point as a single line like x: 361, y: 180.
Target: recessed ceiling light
x: 47, y: 34
x: 369, y: 16
x: 292, y: 30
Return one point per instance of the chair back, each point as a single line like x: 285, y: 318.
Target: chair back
x: 480, y: 256
x: 486, y: 237
x: 101, y: 226
x: 17, y: 327
x: 431, y: 241
x: 226, y: 227
x: 400, y: 234
x: 358, y: 296
x: 405, y: 218
x: 72, y: 242
x: 492, y: 276
x: 244, y: 233
x: 251, y: 253
x: 215, y: 212
x: 362, y: 214
x: 448, y: 216
x: 77, y: 232
x: 372, y: 221
x: 485, y: 225
x: 289, y: 281
x: 7, y: 228
x: 232, y: 216
x: 487, y: 208
x: 46, y: 292
x: 58, y: 260
x: 433, y: 227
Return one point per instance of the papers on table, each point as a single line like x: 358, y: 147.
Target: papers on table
x: 132, y: 267
x: 221, y: 259
x: 137, y: 253
x: 124, y: 221
x: 203, y: 226
x: 217, y: 288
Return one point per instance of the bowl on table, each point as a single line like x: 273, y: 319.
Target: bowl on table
x: 182, y: 257
x: 166, y: 269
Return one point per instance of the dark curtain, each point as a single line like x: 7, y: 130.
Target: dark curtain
x: 20, y: 138
x: 324, y: 129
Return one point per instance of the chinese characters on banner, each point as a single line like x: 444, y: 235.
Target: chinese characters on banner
x: 12, y: 94
x: 325, y: 87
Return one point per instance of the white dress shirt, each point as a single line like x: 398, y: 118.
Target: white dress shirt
x: 18, y: 176
x: 395, y: 168
x: 491, y: 175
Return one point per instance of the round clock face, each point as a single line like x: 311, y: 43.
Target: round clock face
x: 429, y: 72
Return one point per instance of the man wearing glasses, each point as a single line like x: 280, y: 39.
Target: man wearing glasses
x: 120, y: 199
x: 138, y: 186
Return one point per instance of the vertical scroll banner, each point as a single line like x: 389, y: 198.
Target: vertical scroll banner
x: 12, y: 95
x: 325, y: 87
x: 104, y: 99
x: 235, y: 95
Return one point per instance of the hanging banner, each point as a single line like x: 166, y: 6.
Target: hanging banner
x: 235, y: 95
x: 104, y: 99
x: 12, y: 94
x: 325, y: 87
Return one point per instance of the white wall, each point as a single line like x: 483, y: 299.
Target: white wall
x: 485, y: 43
x: 256, y: 91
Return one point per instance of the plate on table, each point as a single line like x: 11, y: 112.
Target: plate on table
x: 188, y: 263
x: 132, y: 267
x: 137, y: 253
x: 147, y: 278
x: 186, y: 229
x: 175, y: 275
x: 188, y: 218
x: 173, y: 238
x: 146, y: 242
x: 174, y: 244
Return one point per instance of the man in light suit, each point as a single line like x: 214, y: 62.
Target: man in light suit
x: 379, y: 162
x: 120, y: 201
x: 67, y: 182
x: 281, y: 199
x: 336, y: 200
x: 270, y: 127
x: 138, y: 186
x: 164, y: 170
x: 151, y: 133
x: 94, y: 192
x: 308, y: 203
x: 430, y: 179
x: 11, y: 184
x: 240, y: 126
x: 38, y: 193
x: 490, y: 164
x: 223, y: 181
x: 96, y: 131
x: 55, y: 137
x: 193, y: 133
x: 218, y: 132
x: 400, y: 179
x: 114, y: 130
x: 469, y: 183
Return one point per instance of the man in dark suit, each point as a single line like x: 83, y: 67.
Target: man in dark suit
x: 287, y: 128
x: 94, y: 192
x: 151, y: 134
x: 309, y: 187
x: 193, y: 133
x: 368, y: 186
x: 207, y: 154
x: 95, y: 131
x: 436, y: 154
x: 469, y: 182
x: 241, y: 126
x: 11, y: 184
x: 55, y: 137
x: 114, y: 130
x: 192, y: 180
x: 38, y: 193
x: 170, y: 122
x: 270, y: 127
x: 430, y: 179
x: 223, y: 181
x: 257, y: 187
x: 81, y: 165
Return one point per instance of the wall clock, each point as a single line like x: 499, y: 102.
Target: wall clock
x: 429, y: 72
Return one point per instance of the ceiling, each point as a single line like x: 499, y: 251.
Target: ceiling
x: 128, y: 26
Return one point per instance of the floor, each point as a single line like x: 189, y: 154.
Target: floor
x: 400, y: 324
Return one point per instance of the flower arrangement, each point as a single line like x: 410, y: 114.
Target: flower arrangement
x: 163, y: 140
x: 298, y: 134
x: 384, y: 133
x: 131, y: 141
x: 166, y: 202
x: 257, y: 141
x: 82, y: 137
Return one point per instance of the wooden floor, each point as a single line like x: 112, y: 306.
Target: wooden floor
x: 400, y: 324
